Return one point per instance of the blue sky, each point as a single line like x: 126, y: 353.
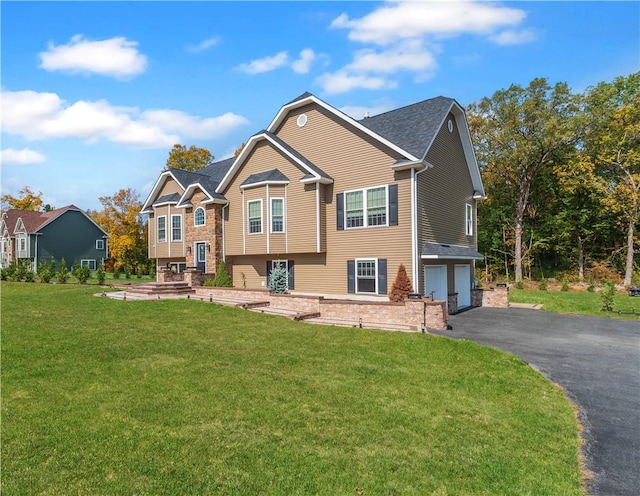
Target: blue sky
x: 95, y: 94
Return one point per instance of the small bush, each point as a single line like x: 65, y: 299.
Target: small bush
x: 591, y: 288
x: 208, y: 283
x: 607, y: 294
x: 63, y: 273
x: 401, y: 286
x: 46, y: 271
x: 278, y: 280
x: 565, y: 284
x: 116, y: 272
x: 520, y: 285
x: 101, y: 275
x: 9, y: 272
x: 223, y: 278
x: 543, y: 285
x: 127, y: 272
x: 29, y: 276
x: 83, y: 274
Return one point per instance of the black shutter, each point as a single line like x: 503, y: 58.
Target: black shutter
x: 269, y: 267
x: 290, y: 280
x: 340, y: 211
x: 351, y: 276
x: 393, y: 204
x: 382, y: 276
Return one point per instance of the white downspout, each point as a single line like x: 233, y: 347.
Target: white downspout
x: 224, y: 248
x: 414, y: 225
x: 318, y: 217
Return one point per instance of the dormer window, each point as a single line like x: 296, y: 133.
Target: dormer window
x: 198, y: 217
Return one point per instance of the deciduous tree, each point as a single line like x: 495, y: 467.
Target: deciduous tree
x: 191, y: 159
x: 26, y: 200
x: 121, y: 218
x: 519, y: 134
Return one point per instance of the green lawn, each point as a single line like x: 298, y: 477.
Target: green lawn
x: 181, y: 397
x: 578, y: 302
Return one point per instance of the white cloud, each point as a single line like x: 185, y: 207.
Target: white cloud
x: 410, y: 55
x: 204, y: 45
x: 116, y: 57
x: 511, y: 37
x: 303, y: 64
x: 39, y: 116
x: 265, y: 64
x: 343, y: 81
x: 401, y: 20
x: 26, y: 156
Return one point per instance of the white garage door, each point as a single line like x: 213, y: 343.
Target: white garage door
x: 435, y: 281
x: 462, y: 282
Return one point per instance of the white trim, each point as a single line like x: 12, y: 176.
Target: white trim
x: 286, y: 231
x: 195, y: 254
x: 414, y: 230
x: 263, y: 183
x: 88, y: 261
x: 318, y: 244
x: 158, y: 240
x: 102, y: 241
x: 284, y: 223
x: 375, y: 277
x: 156, y: 189
x: 248, y: 148
x: 268, y: 208
x: 224, y: 244
x: 244, y: 227
x: 173, y: 240
x: 249, y: 218
x: 204, y: 217
x: 468, y: 219
x: 280, y: 116
x: 365, y: 217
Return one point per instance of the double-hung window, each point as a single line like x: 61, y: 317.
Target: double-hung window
x: 469, y: 219
x: 99, y: 244
x: 176, y: 228
x: 366, y: 207
x: 198, y: 217
x: 277, y: 215
x: 254, y: 214
x: 89, y: 263
x: 366, y: 276
x: 162, y: 229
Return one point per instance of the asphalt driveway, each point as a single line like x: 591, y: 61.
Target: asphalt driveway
x: 596, y: 361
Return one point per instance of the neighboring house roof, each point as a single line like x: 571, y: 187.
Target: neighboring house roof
x: 441, y: 251
x: 270, y: 176
x: 33, y: 222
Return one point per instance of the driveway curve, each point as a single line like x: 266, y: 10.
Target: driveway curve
x: 596, y: 361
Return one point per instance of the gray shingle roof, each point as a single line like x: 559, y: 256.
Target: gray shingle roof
x: 172, y: 198
x: 413, y: 127
x: 217, y: 170
x: 445, y: 251
x: 266, y: 176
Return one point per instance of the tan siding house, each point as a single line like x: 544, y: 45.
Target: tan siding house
x: 340, y: 202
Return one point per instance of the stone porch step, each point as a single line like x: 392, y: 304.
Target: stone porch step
x: 154, y: 288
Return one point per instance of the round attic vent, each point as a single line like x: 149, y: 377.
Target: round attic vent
x: 302, y: 120
x: 450, y: 125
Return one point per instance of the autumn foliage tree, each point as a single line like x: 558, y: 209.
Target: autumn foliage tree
x: 26, y: 200
x: 190, y: 159
x: 120, y: 217
x: 401, y: 286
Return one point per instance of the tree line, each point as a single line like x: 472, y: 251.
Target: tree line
x: 562, y: 177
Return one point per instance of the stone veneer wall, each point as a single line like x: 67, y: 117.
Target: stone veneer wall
x: 411, y: 313
x: 492, y: 297
x: 211, y: 232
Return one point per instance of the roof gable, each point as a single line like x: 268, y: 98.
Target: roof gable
x: 26, y: 221
x: 312, y: 172
x: 307, y: 98
x: 273, y: 176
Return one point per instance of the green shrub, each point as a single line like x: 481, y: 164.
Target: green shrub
x: 23, y: 269
x: 543, y: 284
x: 278, y: 280
x: 75, y: 269
x: 29, y: 276
x: 83, y: 274
x: 46, y: 270
x: 607, y: 294
x: 63, y: 273
x: 208, y: 283
x: 223, y: 278
x: 127, y: 272
x: 565, y: 284
x: 591, y: 288
x: 520, y: 285
x: 101, y: 274
x: 116, y: 272
x: 8, y: 273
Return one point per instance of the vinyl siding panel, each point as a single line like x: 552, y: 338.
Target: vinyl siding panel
x: 443, y: 192
x: 300, y: 207
x: 166, y: 249
x: 354, y: 161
